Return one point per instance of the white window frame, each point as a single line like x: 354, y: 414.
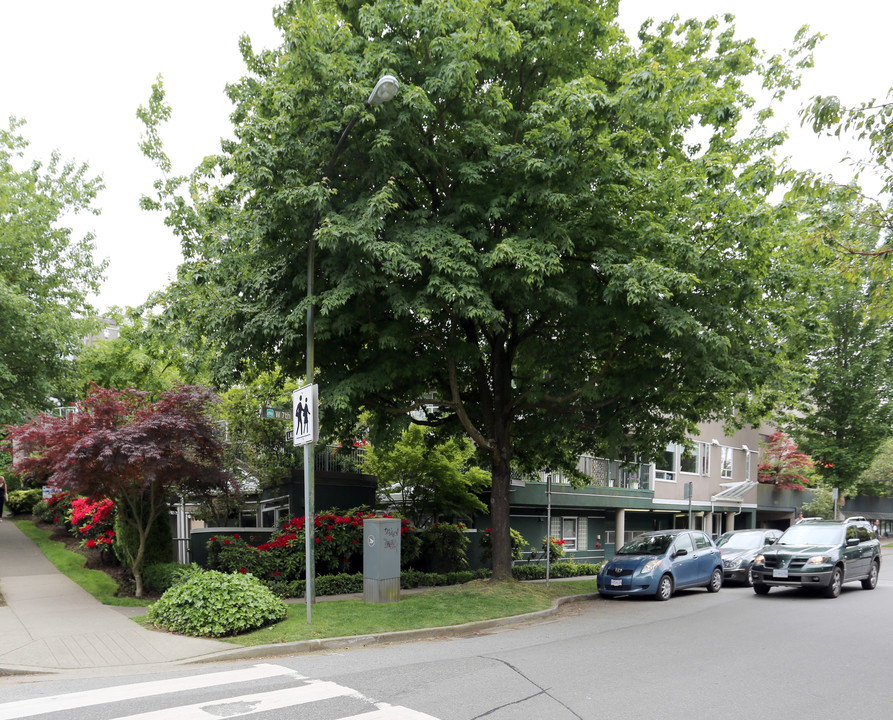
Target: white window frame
x: 704, y: 458
x: 727, y: 463
x: 570, y: 542
x: 668, y: 475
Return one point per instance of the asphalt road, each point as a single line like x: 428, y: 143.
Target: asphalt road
x: 728, y: 655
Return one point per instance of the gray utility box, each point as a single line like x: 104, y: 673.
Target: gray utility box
x: 381, y: 560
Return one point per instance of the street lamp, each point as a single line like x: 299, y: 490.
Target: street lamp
x: 385, y: 89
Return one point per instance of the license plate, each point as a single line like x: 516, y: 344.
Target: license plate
x: 780, y: 573
x: 616, y: 583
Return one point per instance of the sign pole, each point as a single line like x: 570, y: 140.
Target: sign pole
x: 305, y: 431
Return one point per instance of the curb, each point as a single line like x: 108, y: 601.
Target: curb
x: 352, y: 641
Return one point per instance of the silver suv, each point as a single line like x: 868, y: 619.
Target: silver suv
x: 821, y: 554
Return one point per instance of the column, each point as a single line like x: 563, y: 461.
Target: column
x: 619, y: 528
x: 730, y: 521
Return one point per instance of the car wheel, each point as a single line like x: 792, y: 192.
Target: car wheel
x: 836, y: 584
x: 748, y: 576
x: 664, y: 588
x: 870, y: 583
x: 715, y: 581
x: 760, y: 589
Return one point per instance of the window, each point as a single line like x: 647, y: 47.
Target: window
x: 701, y: 541
x: 695, y: 461
x: 688, y: 460
x: 565, y: 528
x: 665, y: 468
x: 683, y: 542
x: 273, y: 510
x: 569, y: 532
x: 704, y: 458
x: 727, y: 463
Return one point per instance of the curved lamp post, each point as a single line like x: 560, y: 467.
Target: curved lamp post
x: 384, y: 90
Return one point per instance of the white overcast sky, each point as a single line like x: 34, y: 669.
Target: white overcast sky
x: 76, y: 72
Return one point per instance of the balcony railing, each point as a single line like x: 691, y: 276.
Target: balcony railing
x: 336, y: 459
x: 603, y: 473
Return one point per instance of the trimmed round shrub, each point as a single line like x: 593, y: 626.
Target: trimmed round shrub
x: 216, y: 604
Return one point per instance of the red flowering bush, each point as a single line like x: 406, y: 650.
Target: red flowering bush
x: 556, y: 549
x: 279, y: 562
x: 92, y: 522
x: 56, y: 509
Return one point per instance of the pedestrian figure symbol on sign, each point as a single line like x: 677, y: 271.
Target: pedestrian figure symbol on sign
x: 299, y: 416
x: 305, y: 421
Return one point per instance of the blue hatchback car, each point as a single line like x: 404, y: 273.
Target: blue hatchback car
x: 659, y: 563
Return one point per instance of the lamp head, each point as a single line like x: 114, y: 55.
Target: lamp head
x: 384, y: 90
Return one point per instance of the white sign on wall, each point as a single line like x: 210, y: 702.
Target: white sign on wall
x: 305, y: 415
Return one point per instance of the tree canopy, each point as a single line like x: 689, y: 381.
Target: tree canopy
x: 46, y: 274
x: 144, y: 356
x: 552, y: 241
x: 878, y: 477
x: 871, y: 124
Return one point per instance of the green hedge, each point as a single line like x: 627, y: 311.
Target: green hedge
x: 352, y: 583
x: 21, y: 502
x: 563, y: 569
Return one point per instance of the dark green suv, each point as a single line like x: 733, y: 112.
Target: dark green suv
x: 822, y: 554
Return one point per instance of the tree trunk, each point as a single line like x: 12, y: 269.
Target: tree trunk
x: 499, y: 518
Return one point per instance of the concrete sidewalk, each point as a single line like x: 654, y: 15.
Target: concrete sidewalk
x: 50, y: 624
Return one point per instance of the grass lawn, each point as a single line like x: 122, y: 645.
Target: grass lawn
x: 478, y: 600
x: 71, y: 564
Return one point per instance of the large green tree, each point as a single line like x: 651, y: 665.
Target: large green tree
x: 46, y: 274
x: 552, y: 241
x: 847, y: 411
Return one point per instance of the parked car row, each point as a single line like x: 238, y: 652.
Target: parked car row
x: 822, y: 554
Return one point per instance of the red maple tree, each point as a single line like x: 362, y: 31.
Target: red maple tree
x: 784, y: 465
x: 131, y: 447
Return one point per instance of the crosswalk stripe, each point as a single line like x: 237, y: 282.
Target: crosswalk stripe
x: 391, y: 712
x: 242, y: 705
x: 86, y: 698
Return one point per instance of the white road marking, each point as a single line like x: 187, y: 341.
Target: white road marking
x: 86, y: 698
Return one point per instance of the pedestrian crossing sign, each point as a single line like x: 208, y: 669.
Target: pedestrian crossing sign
x: 305, y: 415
